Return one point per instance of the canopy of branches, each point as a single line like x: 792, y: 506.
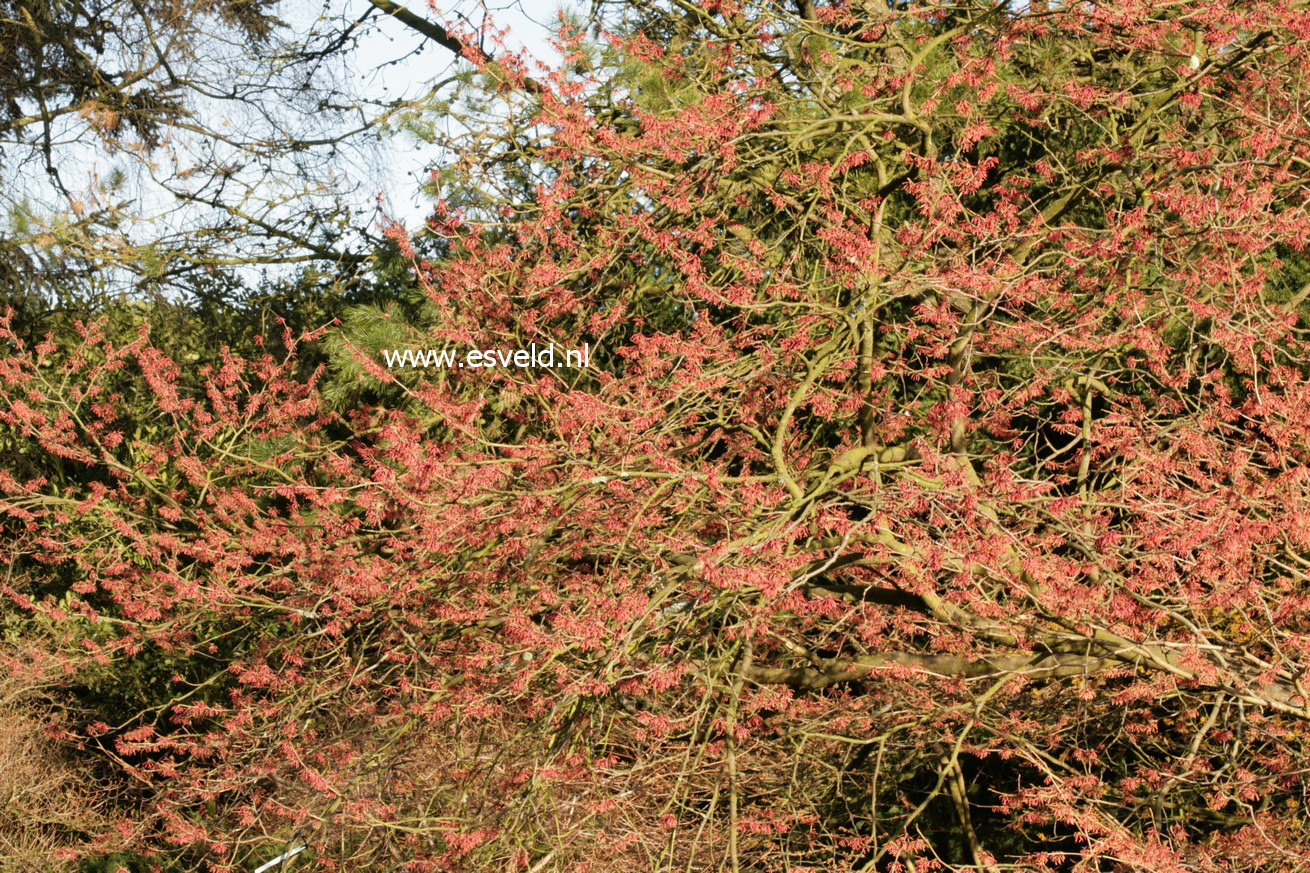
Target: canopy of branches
x: 937, y: 496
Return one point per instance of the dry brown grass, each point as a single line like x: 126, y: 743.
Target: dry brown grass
x: 50, y: 804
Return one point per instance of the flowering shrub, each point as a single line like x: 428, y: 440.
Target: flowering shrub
x: 937, y: 499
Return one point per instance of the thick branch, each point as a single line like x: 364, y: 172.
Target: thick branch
x: 1280, y: 696
x: 830, y: 672
x: 456, y: 46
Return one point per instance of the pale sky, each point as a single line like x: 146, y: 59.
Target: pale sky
x: 389, y: 47
x: 386, y: 65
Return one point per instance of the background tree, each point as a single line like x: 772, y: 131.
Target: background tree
x: 162, y: 149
